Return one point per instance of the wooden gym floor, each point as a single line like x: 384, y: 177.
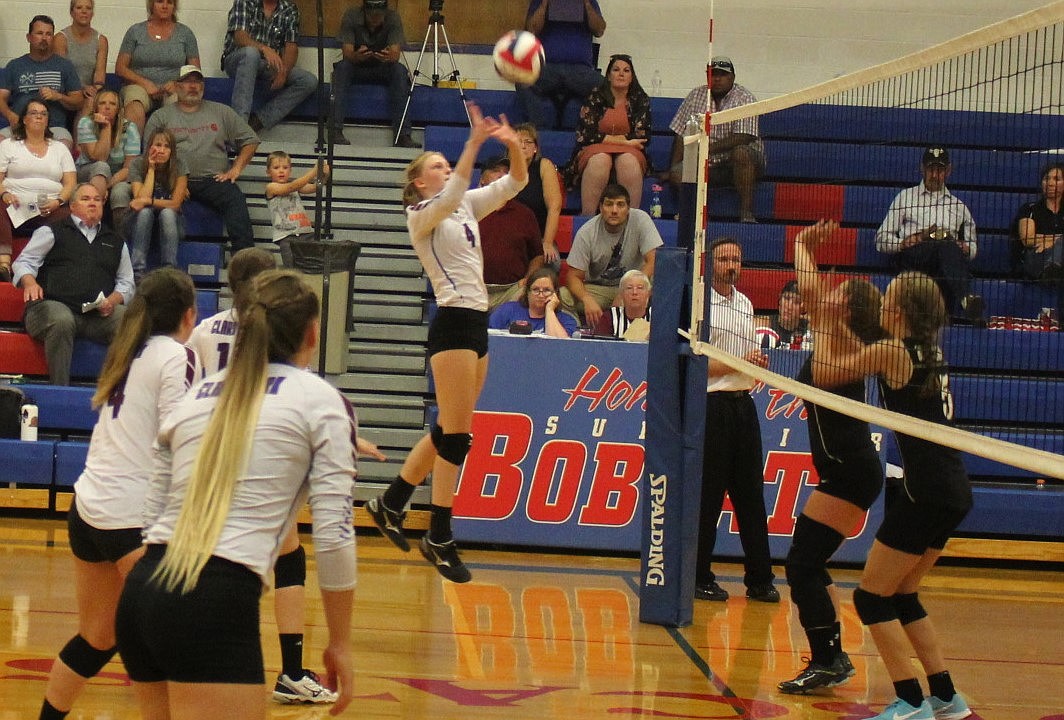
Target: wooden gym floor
x: 540, y: 637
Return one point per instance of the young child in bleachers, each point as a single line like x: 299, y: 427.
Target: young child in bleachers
x: 287, y: 213
x: 160, y: 186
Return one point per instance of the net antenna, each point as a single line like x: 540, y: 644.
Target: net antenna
x: 434, y: 30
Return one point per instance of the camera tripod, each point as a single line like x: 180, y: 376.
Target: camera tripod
x: 433, y: 30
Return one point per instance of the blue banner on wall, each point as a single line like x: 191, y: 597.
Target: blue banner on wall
x: 557, y: 457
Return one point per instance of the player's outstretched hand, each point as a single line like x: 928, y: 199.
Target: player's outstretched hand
x: 481, y: 127
x: 816, y: 234
x: 505, y: 134
x: 339, y: 676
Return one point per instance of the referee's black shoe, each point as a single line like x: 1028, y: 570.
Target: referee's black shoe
x: 713, y: 592
x: 763, y: 593
x: 388, y: 522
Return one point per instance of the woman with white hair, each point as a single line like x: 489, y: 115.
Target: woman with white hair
x: 633, y: 293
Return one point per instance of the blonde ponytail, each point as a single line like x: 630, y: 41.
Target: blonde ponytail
x: 272, y: 325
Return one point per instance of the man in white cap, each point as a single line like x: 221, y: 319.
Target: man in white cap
x: 203, y: 130
x: 736, y: 154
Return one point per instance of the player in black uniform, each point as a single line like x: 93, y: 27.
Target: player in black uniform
x: 935, y: 497
x: 851, y: 475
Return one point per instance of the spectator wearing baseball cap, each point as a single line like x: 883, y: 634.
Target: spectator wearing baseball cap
x: 736, y: 154
x: 929, y: 229
x: 260, y: 55
x: 789, y: 326
x: 371, y: 40
x: 203, y: 130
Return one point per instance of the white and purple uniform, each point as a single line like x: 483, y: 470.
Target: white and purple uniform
x: 213, y: 340
x: 303, y: 449
x: 445, y: 234
x: 110, y: 491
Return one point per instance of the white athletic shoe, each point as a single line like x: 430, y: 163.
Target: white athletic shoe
x: 305, y: 690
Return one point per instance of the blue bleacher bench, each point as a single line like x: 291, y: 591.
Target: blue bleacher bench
x: 31, y: 463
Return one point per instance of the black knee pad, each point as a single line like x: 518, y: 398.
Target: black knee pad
x: 908, y: 607
x: 290, y: 569
x: 83, y: 658
x: 814, y: 544
x: 452, y: 447
x: 872, y: 608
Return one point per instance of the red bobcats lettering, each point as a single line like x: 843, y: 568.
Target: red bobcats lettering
x: 614, y: 497
x: 491, y: 481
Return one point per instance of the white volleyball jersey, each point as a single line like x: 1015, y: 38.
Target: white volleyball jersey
x: 110, y: 492
x: 302, y: 449
x: 213, y: 340
x: 445, y: 233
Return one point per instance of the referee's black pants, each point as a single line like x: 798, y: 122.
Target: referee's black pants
x: 732, y: 462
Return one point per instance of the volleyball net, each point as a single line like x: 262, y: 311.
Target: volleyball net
x: 983, y: 112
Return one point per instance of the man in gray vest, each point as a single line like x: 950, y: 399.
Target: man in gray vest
x: 76, y: 277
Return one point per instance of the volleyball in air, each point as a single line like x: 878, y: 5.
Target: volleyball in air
x: 518, y: 57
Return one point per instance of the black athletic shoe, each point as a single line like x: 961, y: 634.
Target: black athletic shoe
x: 817, y: 676
x: 713, y: 592
x: 763, y: 593
x: 445, y: 558
x: 389, y: 523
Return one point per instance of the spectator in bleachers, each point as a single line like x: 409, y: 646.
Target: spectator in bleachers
x: 539, y: 305
x: 290, y: 219
x: 76, y: 278
x: 108, y: 143
x: 151, y: 58
x: 543, y: 194
x: 736, y: 153
x: 371, y: 40
x: 510, y: 241
x: 260, y: 55
x: 86, y: 48
x: 620, y: 238
x: 42, y: 75
x: 611, y: 136
x: 160, y: 185
x: 37, y: 178
x: 929, y: 229
x: 565, y: 27
x: 203, y: 129
x: 789, y: 326
x: 1038, y: 230
x: 631, y: 319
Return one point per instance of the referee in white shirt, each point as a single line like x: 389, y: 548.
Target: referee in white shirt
x: 732, y: 460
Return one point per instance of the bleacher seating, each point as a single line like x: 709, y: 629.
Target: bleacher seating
x: 823, y: 161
